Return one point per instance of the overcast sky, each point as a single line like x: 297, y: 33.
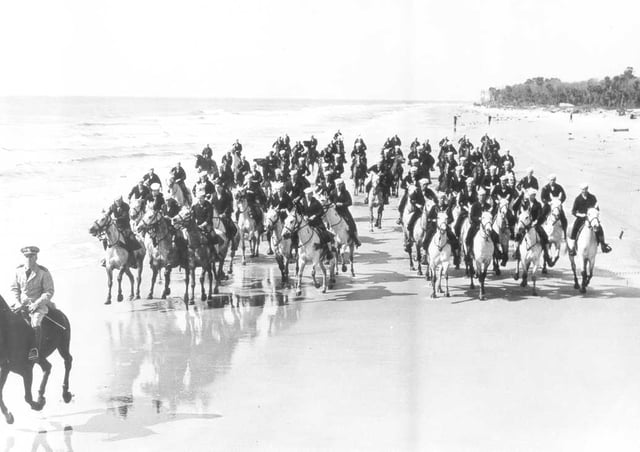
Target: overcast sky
x: 360, y: 49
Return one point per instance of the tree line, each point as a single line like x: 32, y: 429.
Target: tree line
x: 619, y: 92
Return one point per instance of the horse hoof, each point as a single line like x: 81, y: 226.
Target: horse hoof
x: 298, y: 292
x: 523, y: 283
x: 132, y: 297
x: 472, y: 286
x: 216, y: 291
x: 109, y: 301
x: 544, y: 271
x: 498, y: 272
x: 344, y: 269
x: 433, y: 295
x: 324, y: 290
x: 482, y: 298
x: 164, y: 296
x: 120, y: 297
x: 137, y: 296
x: 583, y: 290
x: 447, y: 294
x: 270, y: 252
x: 149, y: 297
x: 419, y: 272
x: 67, y: 396
x: 203, y: 297
x: 516, y: 276
x: 244, y: 263
x: 9, y: 418
x: 576, y: 286
x: 534, y: 292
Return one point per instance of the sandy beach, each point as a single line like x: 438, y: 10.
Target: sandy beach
x: 374, y: 364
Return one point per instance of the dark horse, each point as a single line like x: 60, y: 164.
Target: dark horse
x: 15, y: 341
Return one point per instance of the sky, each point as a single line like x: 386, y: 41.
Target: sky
x: 329, y: 49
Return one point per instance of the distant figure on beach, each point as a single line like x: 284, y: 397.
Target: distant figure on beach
x: 571, y: 117
x: 489, y: 119
x: 455, y: 122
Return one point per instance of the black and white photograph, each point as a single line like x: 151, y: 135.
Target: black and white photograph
x: 355, y: 225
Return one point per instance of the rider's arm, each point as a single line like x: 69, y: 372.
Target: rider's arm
x: 47, y: 290
x: 15, y: 288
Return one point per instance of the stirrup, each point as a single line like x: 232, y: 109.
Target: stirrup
x: 605, y: 248
x: 33, y: 354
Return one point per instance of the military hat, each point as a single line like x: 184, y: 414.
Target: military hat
x: 504, y: 177
x: 469, y: 180
x: 482, y: 191
x: 155, y: 186
x: 413, y: 169
x: 339, y: 181
x: 552, y: 176
x: 532, y: 191
x: 308, y: 190
x: 414, y: 161
x: 30, y: 250
x: 424, y: 181
x: 584, y: 185
x: 277, y: 185
x: 530, y: 169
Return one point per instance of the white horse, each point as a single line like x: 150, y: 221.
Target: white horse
x: 482, y: 250
x: 553, y: 227
x: 375, y: 198
x: 501, y: 227
x: 281, y: 246
x: 419, y: 232
x: 586, y: 247
x: 530, y: 250
x: 439, y: 256
x: 247, y: 227
x: 309, y: 250
x: 117, y: 257
x: 340, y: 228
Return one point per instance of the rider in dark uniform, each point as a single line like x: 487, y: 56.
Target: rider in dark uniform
x: 581, y: 205
x: 202, y: 213
x: 432, y: 219
x: 409, y: 180
x: 151, y: 178
x: 341, y: 197
x: 549, y: 191
x: 475, y: 215
x: 222, y: 202
x: 314, y: 212
x: 155, y: 199
x: 119, y: 211
x: 179, y: 176
x: 139, y: 191
x: 534, y: 207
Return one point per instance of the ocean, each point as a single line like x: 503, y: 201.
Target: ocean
x: 63, y: 160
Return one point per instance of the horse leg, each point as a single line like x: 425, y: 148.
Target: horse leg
x: 244, y: 257
x: 575, y: 275
x: 482, y: 274
x: 353, y: 273
x: 544, y: 266
x: 131, y: 281
x: 4, y: 373
x: 324, y: 276
x: 139, y: 279
x: 525, y: 274
x: 433, y: 285
x: 313, y: 275
x: 446, y: 280
x: 299, y: 280
x: 371, y: 218
x: 219, y: 274
x: 109, y: 284
x: 154, y: 276
x: 46, y: 371
x: 419, y: 258
x: 591, y: 265
x: 63, y: 349
x: 120, y: 273
x: 516, y: 275
x: 27, y: 380
x: 583, y: 287
x: 470, y: 266
x: 379, y: 221
x: 496, y: 266
x: 533, y: 280
x: 167, y: 281
x: 270, y: 251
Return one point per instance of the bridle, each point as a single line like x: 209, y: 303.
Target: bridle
x: 326, y: 209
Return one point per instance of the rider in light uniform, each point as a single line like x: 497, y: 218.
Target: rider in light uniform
x: 583, y: 202
x: 33, y: 290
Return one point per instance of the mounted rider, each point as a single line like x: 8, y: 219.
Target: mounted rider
x: 222, y: 202
x: 417, y: 199
x: 341, y: 197
x: 203, y: 184
x: 531, y: 204
x: 475, y: 214
x: 207, y: 153
x: 549, y: 191
x: 527, y: 182
x: 409, y: 180
x: 202, y: 214
x: 155, y: 199
x: 139, y: 191
x: 151, y: 178
x: 296, y: 186
x: 442, y: 205
x: 313, y: 210
x: 583, y: 202
x: 33, y: 289
x: 119, y: 211
x: 504, y: 191
x: 466, y: 198
x: 384, y: 182
x: 179, y: 176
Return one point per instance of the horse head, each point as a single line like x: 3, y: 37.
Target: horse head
x: 150, y: 219
x: 442, y: 221
x: 486, y: 222
x: 524, y: 221
x: 182, y: 219
x: 136, y: 208
x: 270, y: 219
x: 100, y: 225
x: 291, y: 224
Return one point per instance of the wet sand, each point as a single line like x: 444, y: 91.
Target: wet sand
x: 374, y: 364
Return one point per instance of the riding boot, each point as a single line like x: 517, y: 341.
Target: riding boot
x: 571, y: 246
x: 37, y: 338
x: 603, y: 245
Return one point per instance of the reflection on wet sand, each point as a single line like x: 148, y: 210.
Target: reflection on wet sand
x: 164, y: 361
